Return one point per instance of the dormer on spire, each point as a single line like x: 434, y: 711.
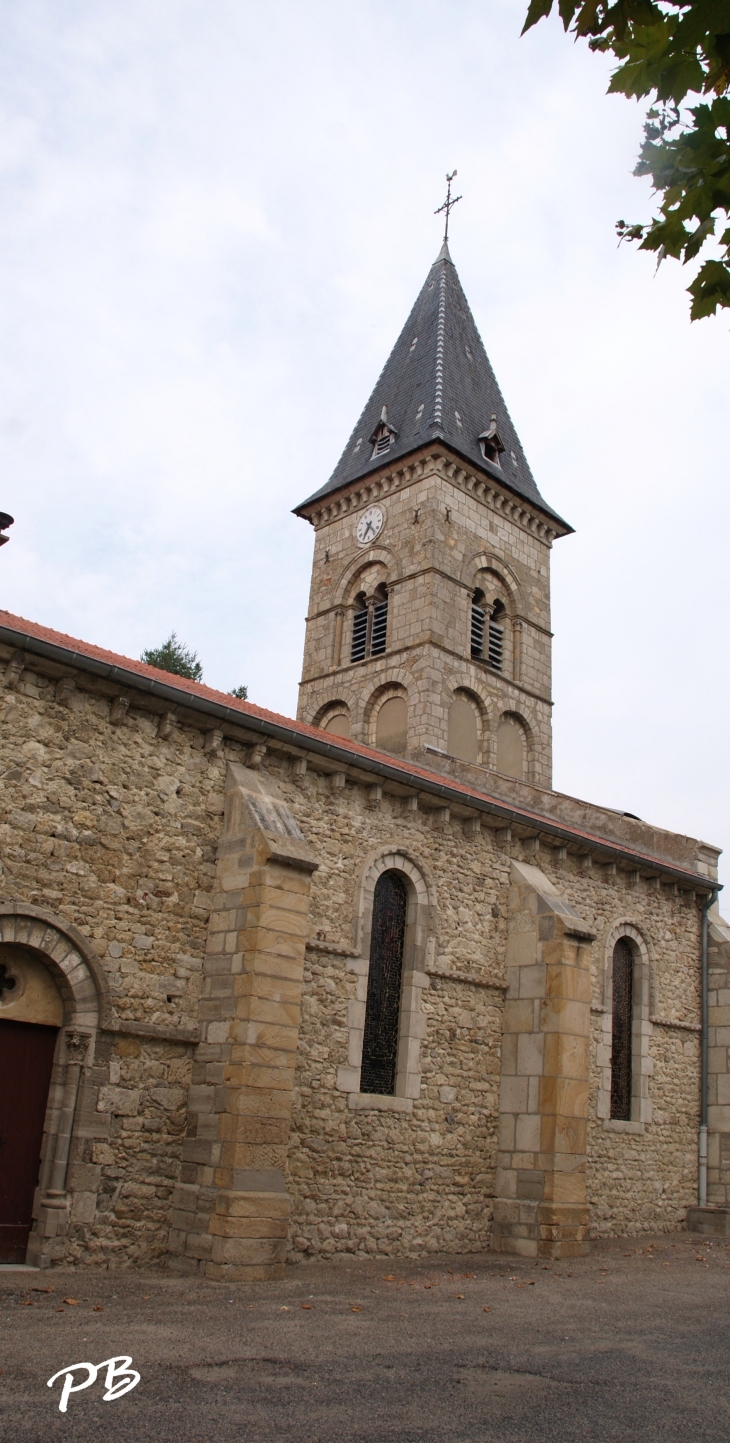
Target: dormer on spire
x: 490, y: 443
x: 383, y: 436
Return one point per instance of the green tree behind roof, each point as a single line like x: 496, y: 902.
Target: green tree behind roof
x: 173, y: 656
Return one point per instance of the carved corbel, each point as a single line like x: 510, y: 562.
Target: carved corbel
x: 65, y: 689
x: 166, y: 726
x: 118, y: 710
x: 14, y: 670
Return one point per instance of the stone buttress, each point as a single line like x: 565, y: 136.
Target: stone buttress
x: 540, y: 1207
x: 231, y: 1209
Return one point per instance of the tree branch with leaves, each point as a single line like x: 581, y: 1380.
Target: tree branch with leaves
x: 668, y: 51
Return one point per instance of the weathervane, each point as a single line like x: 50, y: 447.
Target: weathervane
x: 448, y: 205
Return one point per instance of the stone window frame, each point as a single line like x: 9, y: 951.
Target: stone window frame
x: 642, y: 1064
x: 417, y: 953
x: 381, y: 562
x: 331, y: 709
x: 509, y: 592
x: 78, y: 975
x: 518, y: 718
x: 384, y: 691
x: 482, y: 703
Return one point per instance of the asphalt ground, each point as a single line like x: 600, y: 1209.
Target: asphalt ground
x: 630, y: 1343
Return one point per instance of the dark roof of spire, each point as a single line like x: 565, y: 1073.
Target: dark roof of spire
x: 437, y: 384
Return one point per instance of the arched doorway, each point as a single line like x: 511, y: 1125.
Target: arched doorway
x: 31, y: 1014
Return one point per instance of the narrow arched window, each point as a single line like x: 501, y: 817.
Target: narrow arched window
x: 621, y: 1029
x: 382, y: 1010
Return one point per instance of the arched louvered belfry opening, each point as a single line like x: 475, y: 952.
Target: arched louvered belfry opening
x: 622, y: 1030
x: 488, y: 621
x: 370, y: 625
x: 382, y: 1010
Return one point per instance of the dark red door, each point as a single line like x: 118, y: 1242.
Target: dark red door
x: 26, y: 1059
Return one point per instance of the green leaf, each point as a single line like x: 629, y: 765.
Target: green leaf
x: 537, y: 11
x: 710, y: 289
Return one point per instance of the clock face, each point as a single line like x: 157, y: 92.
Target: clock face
x: 369, y: 525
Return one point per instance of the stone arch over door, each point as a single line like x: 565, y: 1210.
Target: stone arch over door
x: 49, y: 944
x: 418, y: 948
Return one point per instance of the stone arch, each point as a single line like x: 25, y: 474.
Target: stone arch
x: 69, y: 956
x: 418, y: 952
x: 489, y: 562
x: 493, y: 593
x: 512, y: 730
x: 393, y: 736
x: 80, y: 982
x: 376, y: 556
x: 334, y: 717
x: 643, y: 1007
x: 468, y: 735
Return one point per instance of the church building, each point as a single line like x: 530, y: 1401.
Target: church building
x: 360, y: 982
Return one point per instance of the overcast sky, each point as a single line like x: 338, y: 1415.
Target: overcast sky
x: 214, y: 220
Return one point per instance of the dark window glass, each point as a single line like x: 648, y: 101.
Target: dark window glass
x: 359, y: 634
x: 623, y: 993
x: 382, y: 1011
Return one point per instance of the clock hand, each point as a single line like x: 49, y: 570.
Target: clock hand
x: 369, y: 527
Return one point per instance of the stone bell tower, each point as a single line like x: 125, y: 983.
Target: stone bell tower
x: 429, y: 610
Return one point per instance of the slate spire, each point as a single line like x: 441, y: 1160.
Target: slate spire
x: 438, y: 384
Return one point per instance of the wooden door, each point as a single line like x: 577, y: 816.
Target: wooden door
x: 26, y: 1059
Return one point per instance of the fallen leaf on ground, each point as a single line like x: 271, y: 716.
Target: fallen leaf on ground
x: 460, y: 1295
x: 43, y: 1290
x: 60, y: 1310
x: 355, y: 1310
x: 72, y: 1302
x: 27, y: 1303
x: 307, y: 1307
x: 146, y: 1297
x: 486, y: 1310
x: 389, y: 1278
x: 97, y: 1309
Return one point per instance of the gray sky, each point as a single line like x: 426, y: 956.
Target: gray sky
x: 214, y: 220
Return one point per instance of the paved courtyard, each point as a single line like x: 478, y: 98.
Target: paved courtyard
x: 631, y: 1343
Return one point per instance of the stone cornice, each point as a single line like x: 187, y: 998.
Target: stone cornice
x: 436, y: 460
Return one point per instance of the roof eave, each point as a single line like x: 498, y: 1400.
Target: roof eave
x: 362, y: 759
x: 495, y: 473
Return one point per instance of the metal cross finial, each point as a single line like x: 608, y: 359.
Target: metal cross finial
x: 448, y: 205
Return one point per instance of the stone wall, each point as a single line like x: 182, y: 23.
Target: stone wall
x: 112, y: 828
x: 111, y: 817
